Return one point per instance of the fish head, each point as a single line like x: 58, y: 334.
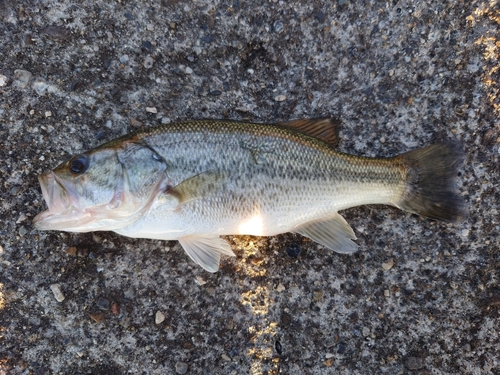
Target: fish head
x: 106, y: 188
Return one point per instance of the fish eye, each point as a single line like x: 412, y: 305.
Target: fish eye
x: 79, y: 164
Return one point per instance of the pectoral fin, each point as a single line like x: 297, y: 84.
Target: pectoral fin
x: 205, y: 250
x: 198, y: 186
x: 333, y: 233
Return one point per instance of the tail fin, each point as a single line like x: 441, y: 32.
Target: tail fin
x: 430, y: 182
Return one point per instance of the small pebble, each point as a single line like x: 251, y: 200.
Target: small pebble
x: 57, y: 33
x: 320, y: 16
x: 23, y: 231
x: 286, y: 319
x: 40, y: 87
x: 1, y: 250
x: 103, y: 304
x: 199, y: 280
x: 328, y: 362
x: 148, y: 62
x: 278, y: 26
x: 208, y: 39
x: 225, y: 357
x: 279, y: 98
x: 124, y: 59
x: 366, y: 331
x: 3, y: 80
x: 293, y: 250
x: 278, y: 347
x: 388, y: 265
x: 494, y: 300
x: 387, y: 293
x: 97, y: 317
x: 181, y: 367
x: 147, y: 44
x: 242, y: 109
x: 82, y: 253
x: 58, y: 294
x: 414, y: 363
x: 159, y: 317
x: 48, y: 113
x: 71, y: 251
x: 230, y: 324
x: 115, y: 308
x: 189, y: 70
x: 341, y: 348
x: 151, y: 110
x: 318, y: 295
x: 100, y: 135
x: 257, y: 261
x: 22, y: 78
x: 135, y: 123
x: 96, y: 238
x: 280, y: 288
x: 22, y: 217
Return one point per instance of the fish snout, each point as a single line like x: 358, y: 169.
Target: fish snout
x: 56, y: 197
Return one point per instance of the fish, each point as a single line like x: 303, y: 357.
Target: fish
x: 195, y: 181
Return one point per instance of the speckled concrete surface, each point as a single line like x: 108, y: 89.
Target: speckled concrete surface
x: 420, y: 297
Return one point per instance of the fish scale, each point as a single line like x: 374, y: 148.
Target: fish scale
x: 194, y: 181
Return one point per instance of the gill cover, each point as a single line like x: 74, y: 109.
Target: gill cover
x: 106, y: 188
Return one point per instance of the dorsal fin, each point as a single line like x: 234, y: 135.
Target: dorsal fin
x: 326, y: 129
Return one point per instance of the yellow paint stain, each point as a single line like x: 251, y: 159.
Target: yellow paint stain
x: 2, y: 299
x: 490, y: 42
x: 3, y: 367
x: 257, y: 299
x: 261, y: 352
x: 3, y: 361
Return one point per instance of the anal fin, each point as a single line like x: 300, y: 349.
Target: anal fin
x: 333, y: 233
x: 205, y: 250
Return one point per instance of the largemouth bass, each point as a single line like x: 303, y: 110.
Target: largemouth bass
x: 195, y: 181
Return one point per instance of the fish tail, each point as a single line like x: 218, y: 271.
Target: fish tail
x: 430, y: 188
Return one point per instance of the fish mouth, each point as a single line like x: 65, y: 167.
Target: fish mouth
x: 63, y: 212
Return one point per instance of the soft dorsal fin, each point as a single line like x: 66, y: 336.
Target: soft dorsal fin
x: 326, y: 129
x: 333, y: 233
x: 205, y: 250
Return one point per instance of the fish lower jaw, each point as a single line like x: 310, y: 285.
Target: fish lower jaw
x: 69, y: 222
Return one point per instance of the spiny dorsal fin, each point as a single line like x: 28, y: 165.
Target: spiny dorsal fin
x: 326, y: 129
